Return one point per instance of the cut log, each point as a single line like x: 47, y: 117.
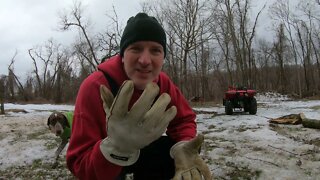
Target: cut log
x: 204, y: 112
x: 311, y: 123
x: 297, y: 119
x: 288, y: 119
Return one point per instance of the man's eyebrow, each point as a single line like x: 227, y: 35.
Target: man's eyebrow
x: 157, y: 46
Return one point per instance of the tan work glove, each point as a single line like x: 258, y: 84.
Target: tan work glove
x: 130, y: 130
x: 189, y: 164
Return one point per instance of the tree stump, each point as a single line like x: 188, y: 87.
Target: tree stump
x: 310, y: 123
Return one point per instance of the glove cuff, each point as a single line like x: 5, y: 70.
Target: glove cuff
x: 115, y: 156
x: 175, y: 147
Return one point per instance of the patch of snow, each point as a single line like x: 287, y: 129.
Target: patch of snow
x: 271, y: 97
x: 39, y: 107
x: 239, y: 141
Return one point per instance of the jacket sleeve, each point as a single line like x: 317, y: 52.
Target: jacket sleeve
x: 84, y: 158
x: 183, y: 126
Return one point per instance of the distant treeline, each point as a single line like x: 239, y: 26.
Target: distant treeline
x: 211, y: 45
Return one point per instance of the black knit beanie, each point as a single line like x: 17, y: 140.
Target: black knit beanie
x: 142, y: 28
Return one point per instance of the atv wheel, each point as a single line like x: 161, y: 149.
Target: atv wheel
x: 228, y: 108
x: 253, y: 106
x: 246, y: 106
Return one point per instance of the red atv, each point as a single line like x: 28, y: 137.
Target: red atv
x: 240, y: 98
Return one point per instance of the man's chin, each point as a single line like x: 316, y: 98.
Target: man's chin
x: 141, y: 85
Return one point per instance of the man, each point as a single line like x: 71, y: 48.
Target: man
x: 123, y: 109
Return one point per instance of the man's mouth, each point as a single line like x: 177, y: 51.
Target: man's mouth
x: 143, y: 71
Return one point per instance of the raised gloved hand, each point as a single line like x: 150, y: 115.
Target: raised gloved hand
x: 189, y: 165
x: 130, y: 130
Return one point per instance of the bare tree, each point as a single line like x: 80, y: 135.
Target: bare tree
x: 11, y: 78
x: 109, y: 41
x: 265, y: 60
x: 247, y: 37
x: 222, y: 35
x: 13, y: 81
x: 237, y: 28
x: 185, y: 24
x: 86, y: 48
x: 210, y: 45
x: 317, y: 55
x: 62, y: 68
x: 2, y: 80
x: 46, y: 60
x: 311, y: 25
x: 281, y: 12
x: 305, y: 47
x: 279, y: 47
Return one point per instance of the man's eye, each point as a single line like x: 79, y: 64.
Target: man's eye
x: 156, y: 50
x: 134, y: 48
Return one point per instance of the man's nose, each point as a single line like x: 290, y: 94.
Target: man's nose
x: 145, y: 58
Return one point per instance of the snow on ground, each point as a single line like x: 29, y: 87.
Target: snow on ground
x: 33, y: 108
x: 249, y: 144
x: 240, y: 146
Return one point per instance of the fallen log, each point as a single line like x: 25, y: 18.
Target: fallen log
x: 288, y: 119
x: 204, y: 112
x: 310, y: 123
x: 295, y: 119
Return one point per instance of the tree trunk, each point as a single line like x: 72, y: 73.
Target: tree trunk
x: 2, y: 96
x: 2, y: 108
x: 311, y: 123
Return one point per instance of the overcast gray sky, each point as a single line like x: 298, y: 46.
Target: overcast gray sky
x: 27, y: 23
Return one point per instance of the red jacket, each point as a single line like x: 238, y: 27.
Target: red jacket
x: 84, y: 158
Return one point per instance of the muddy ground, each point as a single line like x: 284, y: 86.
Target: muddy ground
x: 240, y: 146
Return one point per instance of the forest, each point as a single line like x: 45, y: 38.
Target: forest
x: 211, y: 45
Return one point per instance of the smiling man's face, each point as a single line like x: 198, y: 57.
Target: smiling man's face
x: 143, y: 61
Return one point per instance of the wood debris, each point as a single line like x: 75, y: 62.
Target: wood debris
x: 295, y: 119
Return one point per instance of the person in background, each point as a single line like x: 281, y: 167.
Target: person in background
x: 130, y: 118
